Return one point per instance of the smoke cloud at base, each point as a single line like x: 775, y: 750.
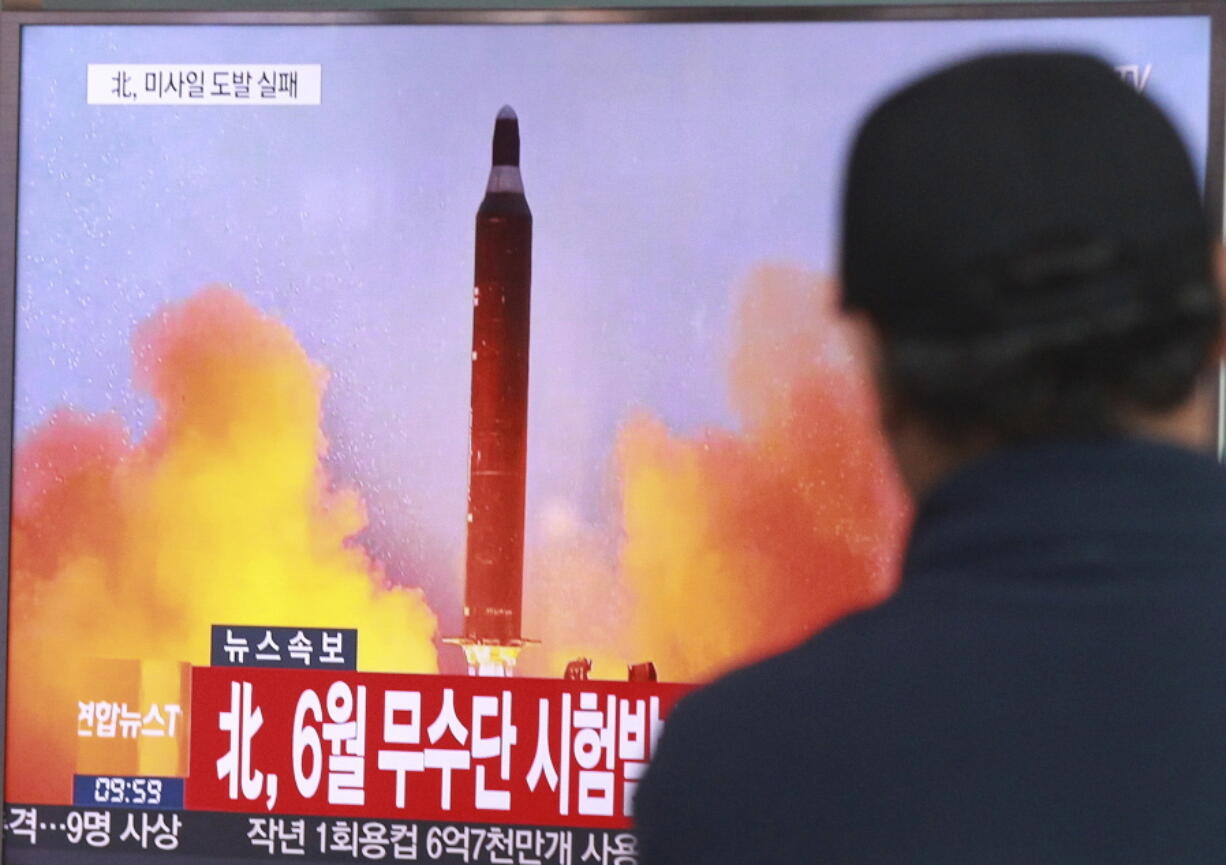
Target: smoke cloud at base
x: 738, y: 545
x: 221, y: 514
x: 575, y: 601
x: 732, y: 545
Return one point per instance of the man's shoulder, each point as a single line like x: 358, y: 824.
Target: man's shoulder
x: 731, y: 748
x: 791, y: 688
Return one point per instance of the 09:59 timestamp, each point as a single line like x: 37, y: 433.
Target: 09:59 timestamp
x: 127, y: 791
x: 121, y: 791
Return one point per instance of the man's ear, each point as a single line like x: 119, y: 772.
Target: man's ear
x: 917, y: 459
x: 868, y: 349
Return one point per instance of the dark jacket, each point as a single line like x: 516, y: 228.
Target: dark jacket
x: 1047, y: 686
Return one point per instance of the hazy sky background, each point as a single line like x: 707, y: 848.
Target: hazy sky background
x: 662, y: 162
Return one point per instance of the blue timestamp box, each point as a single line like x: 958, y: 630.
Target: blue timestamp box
x: 118, y: 791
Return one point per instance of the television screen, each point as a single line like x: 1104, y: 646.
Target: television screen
x: 409, y: 409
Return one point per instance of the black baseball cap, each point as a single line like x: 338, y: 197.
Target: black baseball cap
x: 1014, y: 189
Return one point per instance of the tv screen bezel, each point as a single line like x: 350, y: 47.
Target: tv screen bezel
x: 13, y: 22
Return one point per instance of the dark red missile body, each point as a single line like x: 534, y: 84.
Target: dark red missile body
x: 502, y: 294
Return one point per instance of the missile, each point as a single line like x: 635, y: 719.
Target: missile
x: 493, y: 582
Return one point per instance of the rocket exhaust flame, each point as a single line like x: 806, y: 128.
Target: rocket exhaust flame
x: 493, y: 586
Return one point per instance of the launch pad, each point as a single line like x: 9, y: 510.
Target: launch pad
x: 488, y: 658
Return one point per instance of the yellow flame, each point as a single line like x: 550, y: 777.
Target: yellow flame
x: 223, y: 514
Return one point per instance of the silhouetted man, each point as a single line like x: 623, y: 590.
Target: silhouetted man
x: 1026, y: 259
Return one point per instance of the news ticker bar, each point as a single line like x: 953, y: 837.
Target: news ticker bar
x: 36, y: 833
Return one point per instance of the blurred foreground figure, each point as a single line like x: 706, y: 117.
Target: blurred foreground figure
x: 1028, y: 264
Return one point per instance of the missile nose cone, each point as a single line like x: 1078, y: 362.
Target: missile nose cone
x: 506, y: 137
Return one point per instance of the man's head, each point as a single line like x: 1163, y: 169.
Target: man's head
x: 1025, y: 244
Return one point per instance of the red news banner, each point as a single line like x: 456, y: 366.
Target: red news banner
x: 539, y: 752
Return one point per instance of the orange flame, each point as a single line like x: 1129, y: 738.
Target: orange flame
x: 741, y: 545
x: 222, y: 514
x: 735, y: 545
